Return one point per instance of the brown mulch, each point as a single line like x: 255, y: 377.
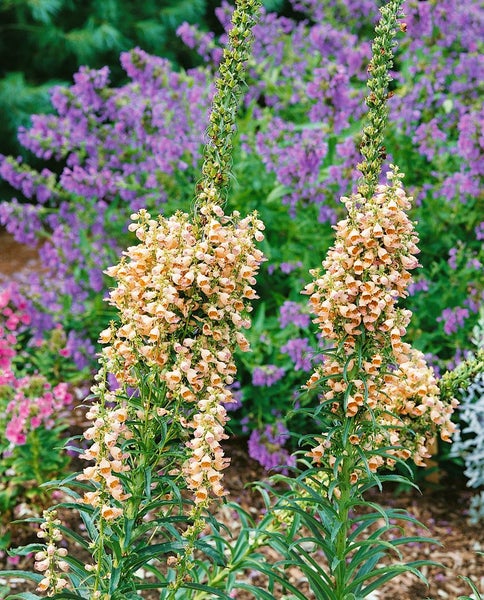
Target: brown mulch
x: 442, y: 510
x: 15, y: 257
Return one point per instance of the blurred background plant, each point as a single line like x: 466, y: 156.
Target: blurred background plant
x: 469, y: 442
x: 43, y: 43
x: 117, y: 142
x: 35, y: 411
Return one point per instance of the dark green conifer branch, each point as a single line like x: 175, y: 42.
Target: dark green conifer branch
x: 217, y: 165
x: 381, y: 62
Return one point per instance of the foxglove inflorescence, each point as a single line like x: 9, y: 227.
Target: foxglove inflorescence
x: 183, y: 296
x: 51, y: 561
x: 373, y: 373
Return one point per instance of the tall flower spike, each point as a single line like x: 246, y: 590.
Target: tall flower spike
x: 378, y: 81
x: 216, y: 170
x: 183, y: 293
x: 373, y: 376
x: 50, y: 561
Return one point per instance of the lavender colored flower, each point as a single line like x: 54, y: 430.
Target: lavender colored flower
x: 202, y: 42
x: 452, y: 260
x: 422, y: 285
x: 475, y: 299
x: 289, y: 267
x: 430, y: 138
x: 267, y: 447
x: 244, y: 423
x: 459, y: 356
x: 236, y: 397
x: 479, y: 231
x: 453, y: 318
x: 433, y: 362
x: 293, y: 313
x: 267, y: 375
x: 471, y: 141
x: 300, y: 353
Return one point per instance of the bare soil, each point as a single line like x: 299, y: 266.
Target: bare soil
x: 15, y: 257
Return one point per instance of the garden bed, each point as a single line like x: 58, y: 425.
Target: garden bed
x: 441, y: 508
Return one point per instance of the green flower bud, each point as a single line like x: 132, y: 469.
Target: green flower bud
x: 216, y: 169
x: 372, y: 147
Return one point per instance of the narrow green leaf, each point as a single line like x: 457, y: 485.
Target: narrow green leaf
x: 35, y: 577
x: 273, y: 574
x: 472, y: 585
x: 206, y: 588
x: 256, y: 591
x: 24, y: 550
x: 218, y: 558
x: 24, y: 596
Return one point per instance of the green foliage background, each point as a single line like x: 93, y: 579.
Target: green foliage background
x: 43, y: 42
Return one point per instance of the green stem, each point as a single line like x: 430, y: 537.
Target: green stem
x: 372, y: 148
x: 347, y: 466
x: 35, y: 456
x: 99, y: 555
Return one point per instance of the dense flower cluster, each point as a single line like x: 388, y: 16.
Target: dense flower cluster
x: 366, y: 272
x: 51, y: 561
x: 412, y: 397
x: 182, y: 295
